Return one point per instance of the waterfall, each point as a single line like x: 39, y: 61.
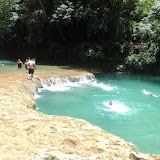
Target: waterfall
x: 71, y: 80
x: 66, y: 83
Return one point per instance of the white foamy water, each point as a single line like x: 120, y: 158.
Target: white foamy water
x: 116, y: 107
x: 57, y: 88
x: 63, y: 84
x: 36, y: 96
x: 103, y: 86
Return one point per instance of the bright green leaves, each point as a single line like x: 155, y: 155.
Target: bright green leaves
x: 63, y: 13
x: 140, y: 61
x: 149, y: 26
x: 143, y: 8
x: 146, y: 31
x: 141, y: 31
x: 8, y: 15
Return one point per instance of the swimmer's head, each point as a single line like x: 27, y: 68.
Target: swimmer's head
x: 110, y: 103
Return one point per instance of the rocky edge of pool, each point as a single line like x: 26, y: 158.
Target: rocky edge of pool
x: 28, y: 134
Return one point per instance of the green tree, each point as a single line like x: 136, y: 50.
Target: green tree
x: 145, y: 37
x: 74, y: 31
x: 8, y: 16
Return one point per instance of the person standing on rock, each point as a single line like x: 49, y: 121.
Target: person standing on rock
x: 26, y: 67
x: 19, y: 64
x: 30, y: 66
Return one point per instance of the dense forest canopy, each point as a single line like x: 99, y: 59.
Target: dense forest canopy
x: 100, y: 34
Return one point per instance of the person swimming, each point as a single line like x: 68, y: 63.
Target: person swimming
x: 148, y: 93
x: 110, y: 103
x: 116, y: 107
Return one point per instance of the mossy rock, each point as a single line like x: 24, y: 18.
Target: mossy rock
x: 34, y: 106
x: 38, y: 84
x: 132, y: 147
x: 51, y: 158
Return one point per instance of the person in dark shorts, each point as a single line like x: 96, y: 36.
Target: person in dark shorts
x: 31, y: 71
x: 19, y: 64
x: 30, y: 66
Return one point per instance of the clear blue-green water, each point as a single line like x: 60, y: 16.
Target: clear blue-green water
x: 9, y: 66
x: 134, y: 116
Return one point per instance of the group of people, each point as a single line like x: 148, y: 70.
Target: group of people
x: 30, y: 65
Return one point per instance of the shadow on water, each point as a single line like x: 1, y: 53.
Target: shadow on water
x: 72, y: 67
x: 153, y: 78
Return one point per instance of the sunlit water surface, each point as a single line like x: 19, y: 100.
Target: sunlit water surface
x: 134, y: 115
x: 9, y: 66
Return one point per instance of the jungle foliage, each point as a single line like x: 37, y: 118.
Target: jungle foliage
x: 145, y: 52
x: 100, y: 34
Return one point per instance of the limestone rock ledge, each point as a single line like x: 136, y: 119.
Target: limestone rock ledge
x: 28, y: 134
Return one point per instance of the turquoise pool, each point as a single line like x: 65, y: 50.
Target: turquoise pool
x: 134, y: 115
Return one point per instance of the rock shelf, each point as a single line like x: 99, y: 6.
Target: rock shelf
x: 28, y: 134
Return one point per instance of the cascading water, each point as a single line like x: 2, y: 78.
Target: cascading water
x: 134, y: 114
x: 64, y: 83
x: 65, y: 80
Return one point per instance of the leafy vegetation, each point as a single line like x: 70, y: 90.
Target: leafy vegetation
x: 145, y: 33
x: 100, y: 34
